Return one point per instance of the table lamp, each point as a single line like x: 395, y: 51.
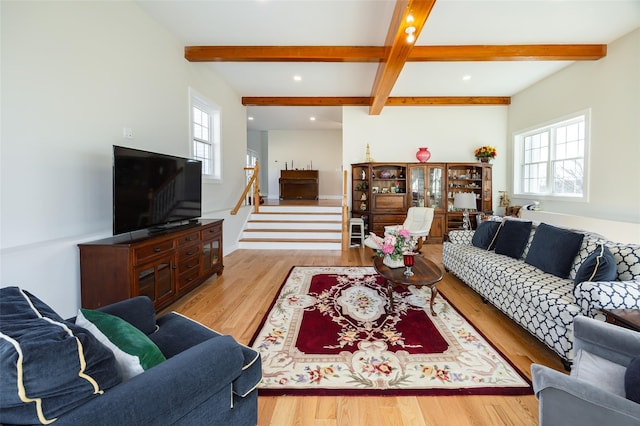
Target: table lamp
x: 465, y: 201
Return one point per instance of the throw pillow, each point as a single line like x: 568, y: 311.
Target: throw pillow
x: 600, y: 265
x: 632, y: 380
x: 513, y: 238
x: 553, y: 249
x: 601, y: 372
x: 129, y: 365
x: 49, y: 366
x: 483, y: 236
x: 126, y: 337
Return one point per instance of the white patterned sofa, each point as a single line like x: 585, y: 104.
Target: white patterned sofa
x: 541, y: 302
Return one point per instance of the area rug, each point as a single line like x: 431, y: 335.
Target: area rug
x: 328, y: 332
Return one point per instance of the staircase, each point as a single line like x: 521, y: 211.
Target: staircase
x: 293, y: 227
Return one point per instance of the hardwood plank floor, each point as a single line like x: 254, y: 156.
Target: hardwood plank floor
x: 235, y: 303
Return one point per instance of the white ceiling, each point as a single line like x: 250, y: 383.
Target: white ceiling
x: 365, y: 23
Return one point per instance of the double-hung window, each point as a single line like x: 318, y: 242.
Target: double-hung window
x: 205, y: 135
x: 551, y: 160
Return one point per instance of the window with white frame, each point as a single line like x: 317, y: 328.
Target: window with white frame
x: 205, y: 135
x: 551, y: 160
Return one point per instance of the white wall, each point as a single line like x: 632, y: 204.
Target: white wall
x: 451, y: 134
x: 318, y: 150
x: 73, y: 75
x: 259, y: 142
x: 611, y: 88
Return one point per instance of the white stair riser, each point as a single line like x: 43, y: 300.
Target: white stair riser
x: 302, y: 209
x: 297, y: 217
x: 293, y: 235
x: 270, y: 245
x: 294, y: 225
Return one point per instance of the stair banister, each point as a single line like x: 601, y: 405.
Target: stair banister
x: 253, y: 182
x: 345, y: 214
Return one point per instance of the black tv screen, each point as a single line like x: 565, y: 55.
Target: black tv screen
x: 154, y: 190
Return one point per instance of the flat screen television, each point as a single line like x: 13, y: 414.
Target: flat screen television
x: 154, y: 191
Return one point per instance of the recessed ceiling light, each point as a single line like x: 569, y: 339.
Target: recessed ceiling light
x: 466, y: 77
x: 312, y: 118
x: 250, y: 118
x: 297, y: 78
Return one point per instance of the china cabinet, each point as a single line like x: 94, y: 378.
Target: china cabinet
x: 381, y: 193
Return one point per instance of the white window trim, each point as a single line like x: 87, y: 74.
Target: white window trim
x: 197, y: 99
x: 517, y: 139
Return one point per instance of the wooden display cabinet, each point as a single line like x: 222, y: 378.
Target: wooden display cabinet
x: 389, y: 201
x: 361, y: 193
x: 163, y: 266
x: 381, y: 193
x: 468, y: 177
x: 426, y: 189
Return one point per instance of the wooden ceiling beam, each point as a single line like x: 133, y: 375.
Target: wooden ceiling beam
x: 468, y: 53
x: 306, y: 101
x: 398, y: 47
x: 448, y: 100
x: 284, y: 53
x: 366, y: 101
x: 514, y: 52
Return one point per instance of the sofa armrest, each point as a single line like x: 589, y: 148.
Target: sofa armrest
x: 605, y: 340
x: 137, y: 311
x: 567, y: 400
x: 592, y: 297
x: 167, y: 392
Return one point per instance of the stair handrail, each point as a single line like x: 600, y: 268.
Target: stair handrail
x: 345, y: 214
x: 255, y: 199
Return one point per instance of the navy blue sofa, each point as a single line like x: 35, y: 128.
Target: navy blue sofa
x: 207, y: 378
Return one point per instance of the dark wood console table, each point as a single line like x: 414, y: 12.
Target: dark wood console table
x: 298, y: 184
x: 163, y: 266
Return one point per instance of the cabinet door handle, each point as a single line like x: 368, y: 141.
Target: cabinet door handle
x: 189, y: 253
x: 189, y: 238
x: 157, y: 249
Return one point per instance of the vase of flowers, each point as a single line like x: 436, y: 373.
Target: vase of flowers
x: 392, y: 247
x: 485, y: 153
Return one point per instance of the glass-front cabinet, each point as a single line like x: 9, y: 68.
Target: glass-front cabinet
x: 156, y: 280
x: 381, y: 193
x: 427, y: 183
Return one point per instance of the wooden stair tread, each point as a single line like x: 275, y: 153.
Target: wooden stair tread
x: 300, y: 213
x: 289, y: 240
x: 294, y: 221
x: 292, y: 230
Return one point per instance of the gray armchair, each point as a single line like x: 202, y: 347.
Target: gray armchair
x: 567, y: 400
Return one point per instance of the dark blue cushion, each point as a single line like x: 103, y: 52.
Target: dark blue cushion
x: 513, y: 237
x: 483, y: 236
x: 57, y: 365
x: 632, y: 380
x: 553, y: 249
x: 598, y: 266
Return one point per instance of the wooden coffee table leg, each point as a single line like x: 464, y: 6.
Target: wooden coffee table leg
x: 390, y: 295
x: 434, y: 293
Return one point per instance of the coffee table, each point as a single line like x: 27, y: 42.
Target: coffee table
x: 425, y: 273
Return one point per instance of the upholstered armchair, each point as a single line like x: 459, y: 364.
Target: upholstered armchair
x: 602, y: 379
x: 418, y: 222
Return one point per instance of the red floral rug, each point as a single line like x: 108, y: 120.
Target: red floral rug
x: 328, y: 333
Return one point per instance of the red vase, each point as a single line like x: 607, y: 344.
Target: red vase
x: 423, y: 155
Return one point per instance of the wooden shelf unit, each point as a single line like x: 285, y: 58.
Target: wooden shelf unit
x: 468, y: 177
x: 381, y: 193
x: 163, y: 266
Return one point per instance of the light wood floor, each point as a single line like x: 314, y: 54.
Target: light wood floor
x: 235, y: 302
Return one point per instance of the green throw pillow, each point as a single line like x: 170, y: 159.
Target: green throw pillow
x: 126, y: 337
